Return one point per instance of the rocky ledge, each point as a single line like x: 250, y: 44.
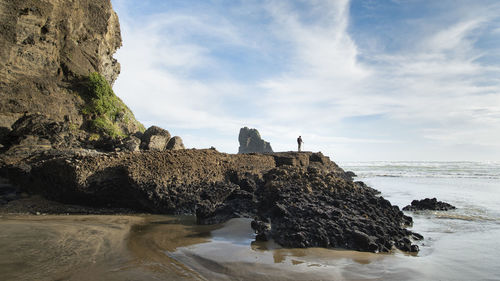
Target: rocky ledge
x: 297, y: 199
x: 429, y: 204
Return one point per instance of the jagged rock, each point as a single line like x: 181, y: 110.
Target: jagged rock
x: 313, y: 208
x: 429, y: 204
x: 155, y: 138
x: 250, y: 142
x: 175, y: 143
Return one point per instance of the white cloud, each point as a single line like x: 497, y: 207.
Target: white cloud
x: 174, y: 75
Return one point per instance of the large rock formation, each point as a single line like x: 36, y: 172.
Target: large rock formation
x: 251, y: 142
x: 297, y: 199
x: 48, y: 48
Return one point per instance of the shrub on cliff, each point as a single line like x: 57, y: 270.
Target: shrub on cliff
x: 105, y: 113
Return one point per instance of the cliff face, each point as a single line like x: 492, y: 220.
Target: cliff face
x: 46, y: 48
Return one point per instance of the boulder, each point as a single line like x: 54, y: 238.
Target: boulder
x: 175, y: 143
x: 155, y: 138
x: 429, y: 204
x: 251, y: 142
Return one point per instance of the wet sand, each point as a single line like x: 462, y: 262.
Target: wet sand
x: 151, y: 247
x: 62, y: 247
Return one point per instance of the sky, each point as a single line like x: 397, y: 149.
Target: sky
x: 359, y: 80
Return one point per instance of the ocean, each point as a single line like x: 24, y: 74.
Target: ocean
x: 461, y: 244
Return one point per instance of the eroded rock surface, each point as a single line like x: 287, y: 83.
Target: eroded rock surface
x: 45, y: 47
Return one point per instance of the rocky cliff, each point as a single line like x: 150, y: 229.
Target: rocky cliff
x: 251, y: 142
x: 48, y: 49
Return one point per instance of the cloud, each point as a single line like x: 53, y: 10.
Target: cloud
x: 294, y: 68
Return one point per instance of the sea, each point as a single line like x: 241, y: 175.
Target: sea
x: 461, y: 244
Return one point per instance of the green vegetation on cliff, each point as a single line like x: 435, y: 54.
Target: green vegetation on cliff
x: 105, y: 112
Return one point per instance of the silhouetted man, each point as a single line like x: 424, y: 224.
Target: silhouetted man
x: 299, y: 142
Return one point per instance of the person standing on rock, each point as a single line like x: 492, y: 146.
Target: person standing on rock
x: 300, y: 142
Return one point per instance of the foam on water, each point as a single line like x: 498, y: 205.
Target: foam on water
x: 486, y: 170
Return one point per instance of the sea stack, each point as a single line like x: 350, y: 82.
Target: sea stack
x: 251, y: 142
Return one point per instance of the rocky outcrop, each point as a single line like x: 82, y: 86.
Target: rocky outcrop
x: 298, y: 207
x: 251, y: 142
x: 48, y: 48
x: 297, y: 199
x: 429, y: 204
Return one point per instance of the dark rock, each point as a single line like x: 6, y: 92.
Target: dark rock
x: 428, y: 204
x: 8, y: 192
x: 106, y: 143
x: 155, y: 138
x: 351, y: 174
x: 37, y: 125
x: 251, y: 142
x: 131, y: 143
x: 322, y: 210
x: 175, y: 143
x: 4, y: 132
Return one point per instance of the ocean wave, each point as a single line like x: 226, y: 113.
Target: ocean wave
x: 483, y: 170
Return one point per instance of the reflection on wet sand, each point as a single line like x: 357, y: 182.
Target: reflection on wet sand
x: 150, y: 242
x: 157, y: 247
x: 228, y: 256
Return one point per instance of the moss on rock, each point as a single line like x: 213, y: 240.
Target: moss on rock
x: 106, y: 114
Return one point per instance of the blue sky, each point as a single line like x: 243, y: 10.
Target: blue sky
x: 359, y: 80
